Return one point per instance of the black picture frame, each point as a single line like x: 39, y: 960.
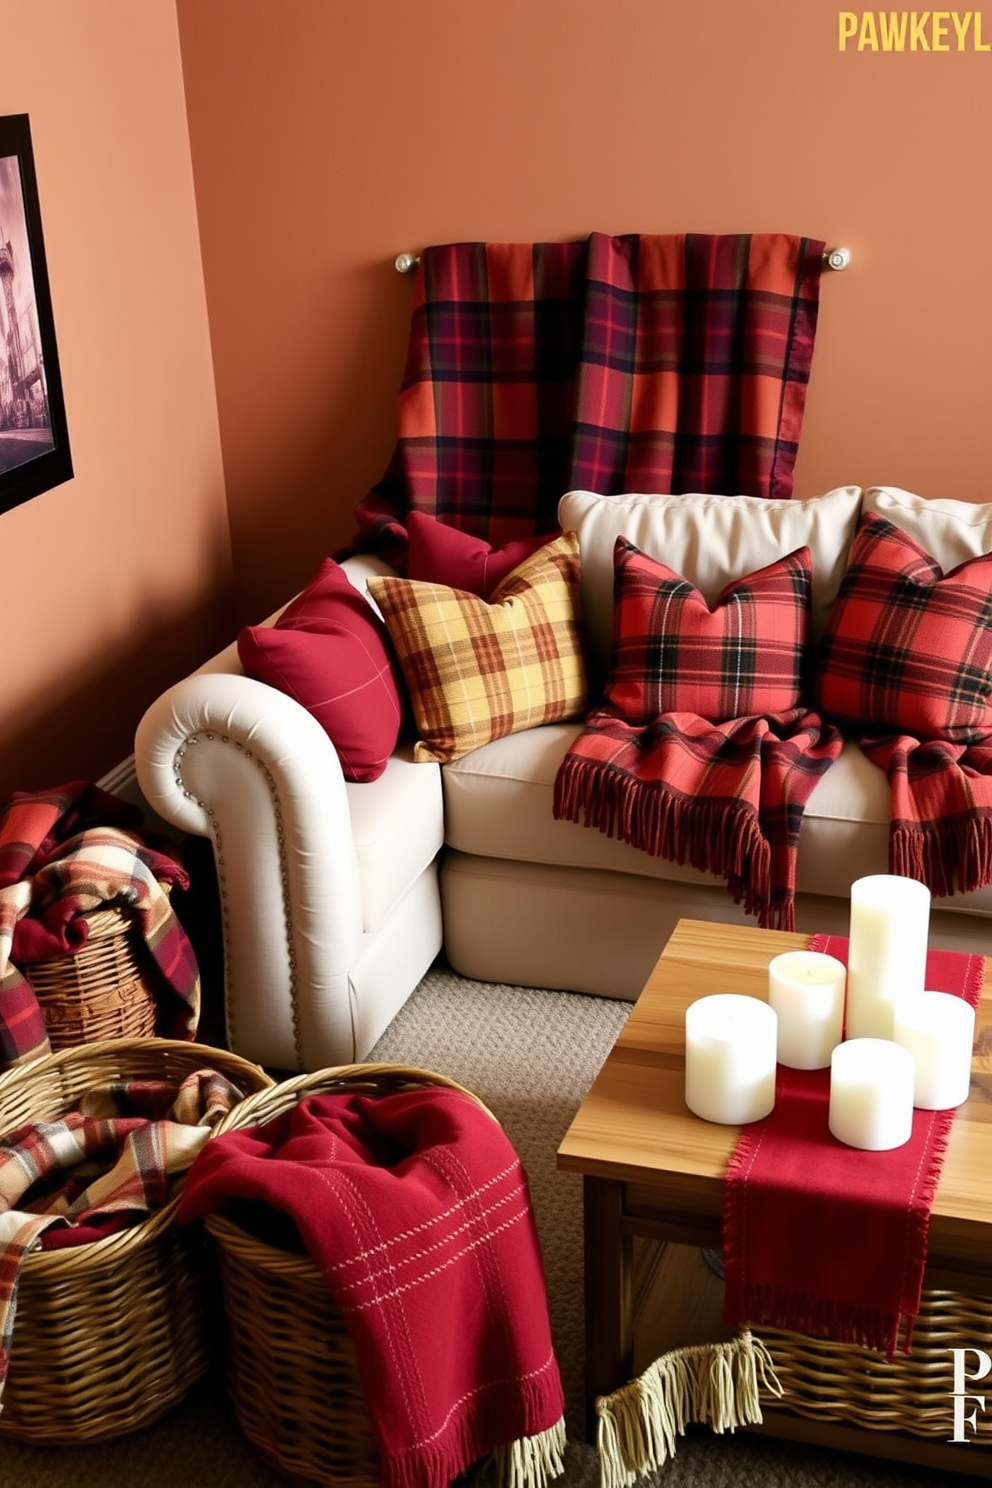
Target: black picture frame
x: 34, y: 437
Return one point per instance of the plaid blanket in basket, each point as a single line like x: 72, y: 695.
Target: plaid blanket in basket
x: 664, y: 363
x: 64, y: 853
x: 106, y: 1165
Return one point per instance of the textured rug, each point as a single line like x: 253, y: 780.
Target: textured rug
x: 531, y: 1056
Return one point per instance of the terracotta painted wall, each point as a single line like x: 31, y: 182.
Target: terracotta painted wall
x: 117, y: 582
x: 327, y: 135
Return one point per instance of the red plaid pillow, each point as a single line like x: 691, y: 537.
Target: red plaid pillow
x: 672, y: 653
x: 907, y: 648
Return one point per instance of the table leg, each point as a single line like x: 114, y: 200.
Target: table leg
x: 608, y: 1293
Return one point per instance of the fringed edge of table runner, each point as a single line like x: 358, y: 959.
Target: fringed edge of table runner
x: 712, y: 1384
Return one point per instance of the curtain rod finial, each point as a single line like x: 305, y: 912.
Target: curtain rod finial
x: 406, y: 262
x: 837, y: 258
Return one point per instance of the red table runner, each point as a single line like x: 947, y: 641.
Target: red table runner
x: 825, y: 1239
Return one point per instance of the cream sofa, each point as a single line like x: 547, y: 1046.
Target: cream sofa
x: 336, y: 896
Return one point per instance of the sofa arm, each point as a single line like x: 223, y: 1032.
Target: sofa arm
x: 228, y: 758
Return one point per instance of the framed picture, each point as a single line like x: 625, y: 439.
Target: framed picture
x: 34, y: 439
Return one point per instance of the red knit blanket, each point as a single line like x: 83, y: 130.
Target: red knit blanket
x: 416, y: 1208
x: 726, y: 798
x: 824, y: 1239
x: 641, y: 362
x: 64, y: 853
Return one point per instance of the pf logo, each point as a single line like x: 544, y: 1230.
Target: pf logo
x: 965, y: 1378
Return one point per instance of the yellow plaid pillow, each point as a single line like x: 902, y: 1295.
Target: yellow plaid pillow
x: 477, y: 671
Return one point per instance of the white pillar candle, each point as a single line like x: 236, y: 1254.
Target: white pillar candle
x: 730, y: 1042
x: 939, y: 1031
x: 806, y: 989
x: 887, y: 954
x: 871, y: 1094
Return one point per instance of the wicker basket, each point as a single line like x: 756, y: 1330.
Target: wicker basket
x: 108, y: 1335
x: 827, y: 1381
x: 291, y: 1368
x: 105, y: 990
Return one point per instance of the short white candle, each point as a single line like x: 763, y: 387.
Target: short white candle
x: 730, y: 1043
x: 887, y: 954
x: 806, y: 989
x: 871, y: 1094
x: 939, y: 1031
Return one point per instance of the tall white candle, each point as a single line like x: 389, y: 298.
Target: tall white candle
x: 887, y: 954
x: 871, y: 1094
x: 806, y: 989
x: 730, y: 1043
x: 939, y: 1031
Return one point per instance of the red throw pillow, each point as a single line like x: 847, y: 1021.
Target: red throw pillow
x: 440, y: 554
x: 907, y: 648
x: 674, y: 653
x: 330, y: 651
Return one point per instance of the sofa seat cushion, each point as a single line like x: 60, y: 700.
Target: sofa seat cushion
x: 498, y: 804
x: 398, y: 829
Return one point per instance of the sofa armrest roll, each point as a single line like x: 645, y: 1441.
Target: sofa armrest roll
x: 228, y: 758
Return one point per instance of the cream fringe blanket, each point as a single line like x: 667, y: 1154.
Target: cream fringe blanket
x: 714, y: 1384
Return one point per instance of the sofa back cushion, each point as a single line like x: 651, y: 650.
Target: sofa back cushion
x: 950, y: 531
x: 709, y: 540
x: 908, y: 648
x: 675, y: 653
x: 477, y: 671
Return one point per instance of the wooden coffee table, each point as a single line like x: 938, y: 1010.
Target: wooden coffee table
x: 652, y: 1169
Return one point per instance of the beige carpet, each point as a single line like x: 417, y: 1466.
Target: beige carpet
x: 530, y: 1056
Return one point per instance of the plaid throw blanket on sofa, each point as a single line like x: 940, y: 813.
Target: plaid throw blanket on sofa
x: 703, y: 751
x: 636, y: 363
x: 941, y: 811
x: 726, y: 798
x: 64, y: 853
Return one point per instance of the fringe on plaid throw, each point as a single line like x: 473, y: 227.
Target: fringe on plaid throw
x: 712, y: 1384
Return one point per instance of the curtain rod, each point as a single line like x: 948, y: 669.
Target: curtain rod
x: 833, y: 258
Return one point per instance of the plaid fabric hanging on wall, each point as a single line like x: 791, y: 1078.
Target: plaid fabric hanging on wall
x: 636, y: 363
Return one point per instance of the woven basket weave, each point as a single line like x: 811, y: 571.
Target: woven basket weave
x: 828, y: 1381
x: 104, y: 990
x: 292, y: 1373
x: 108, y: 1335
